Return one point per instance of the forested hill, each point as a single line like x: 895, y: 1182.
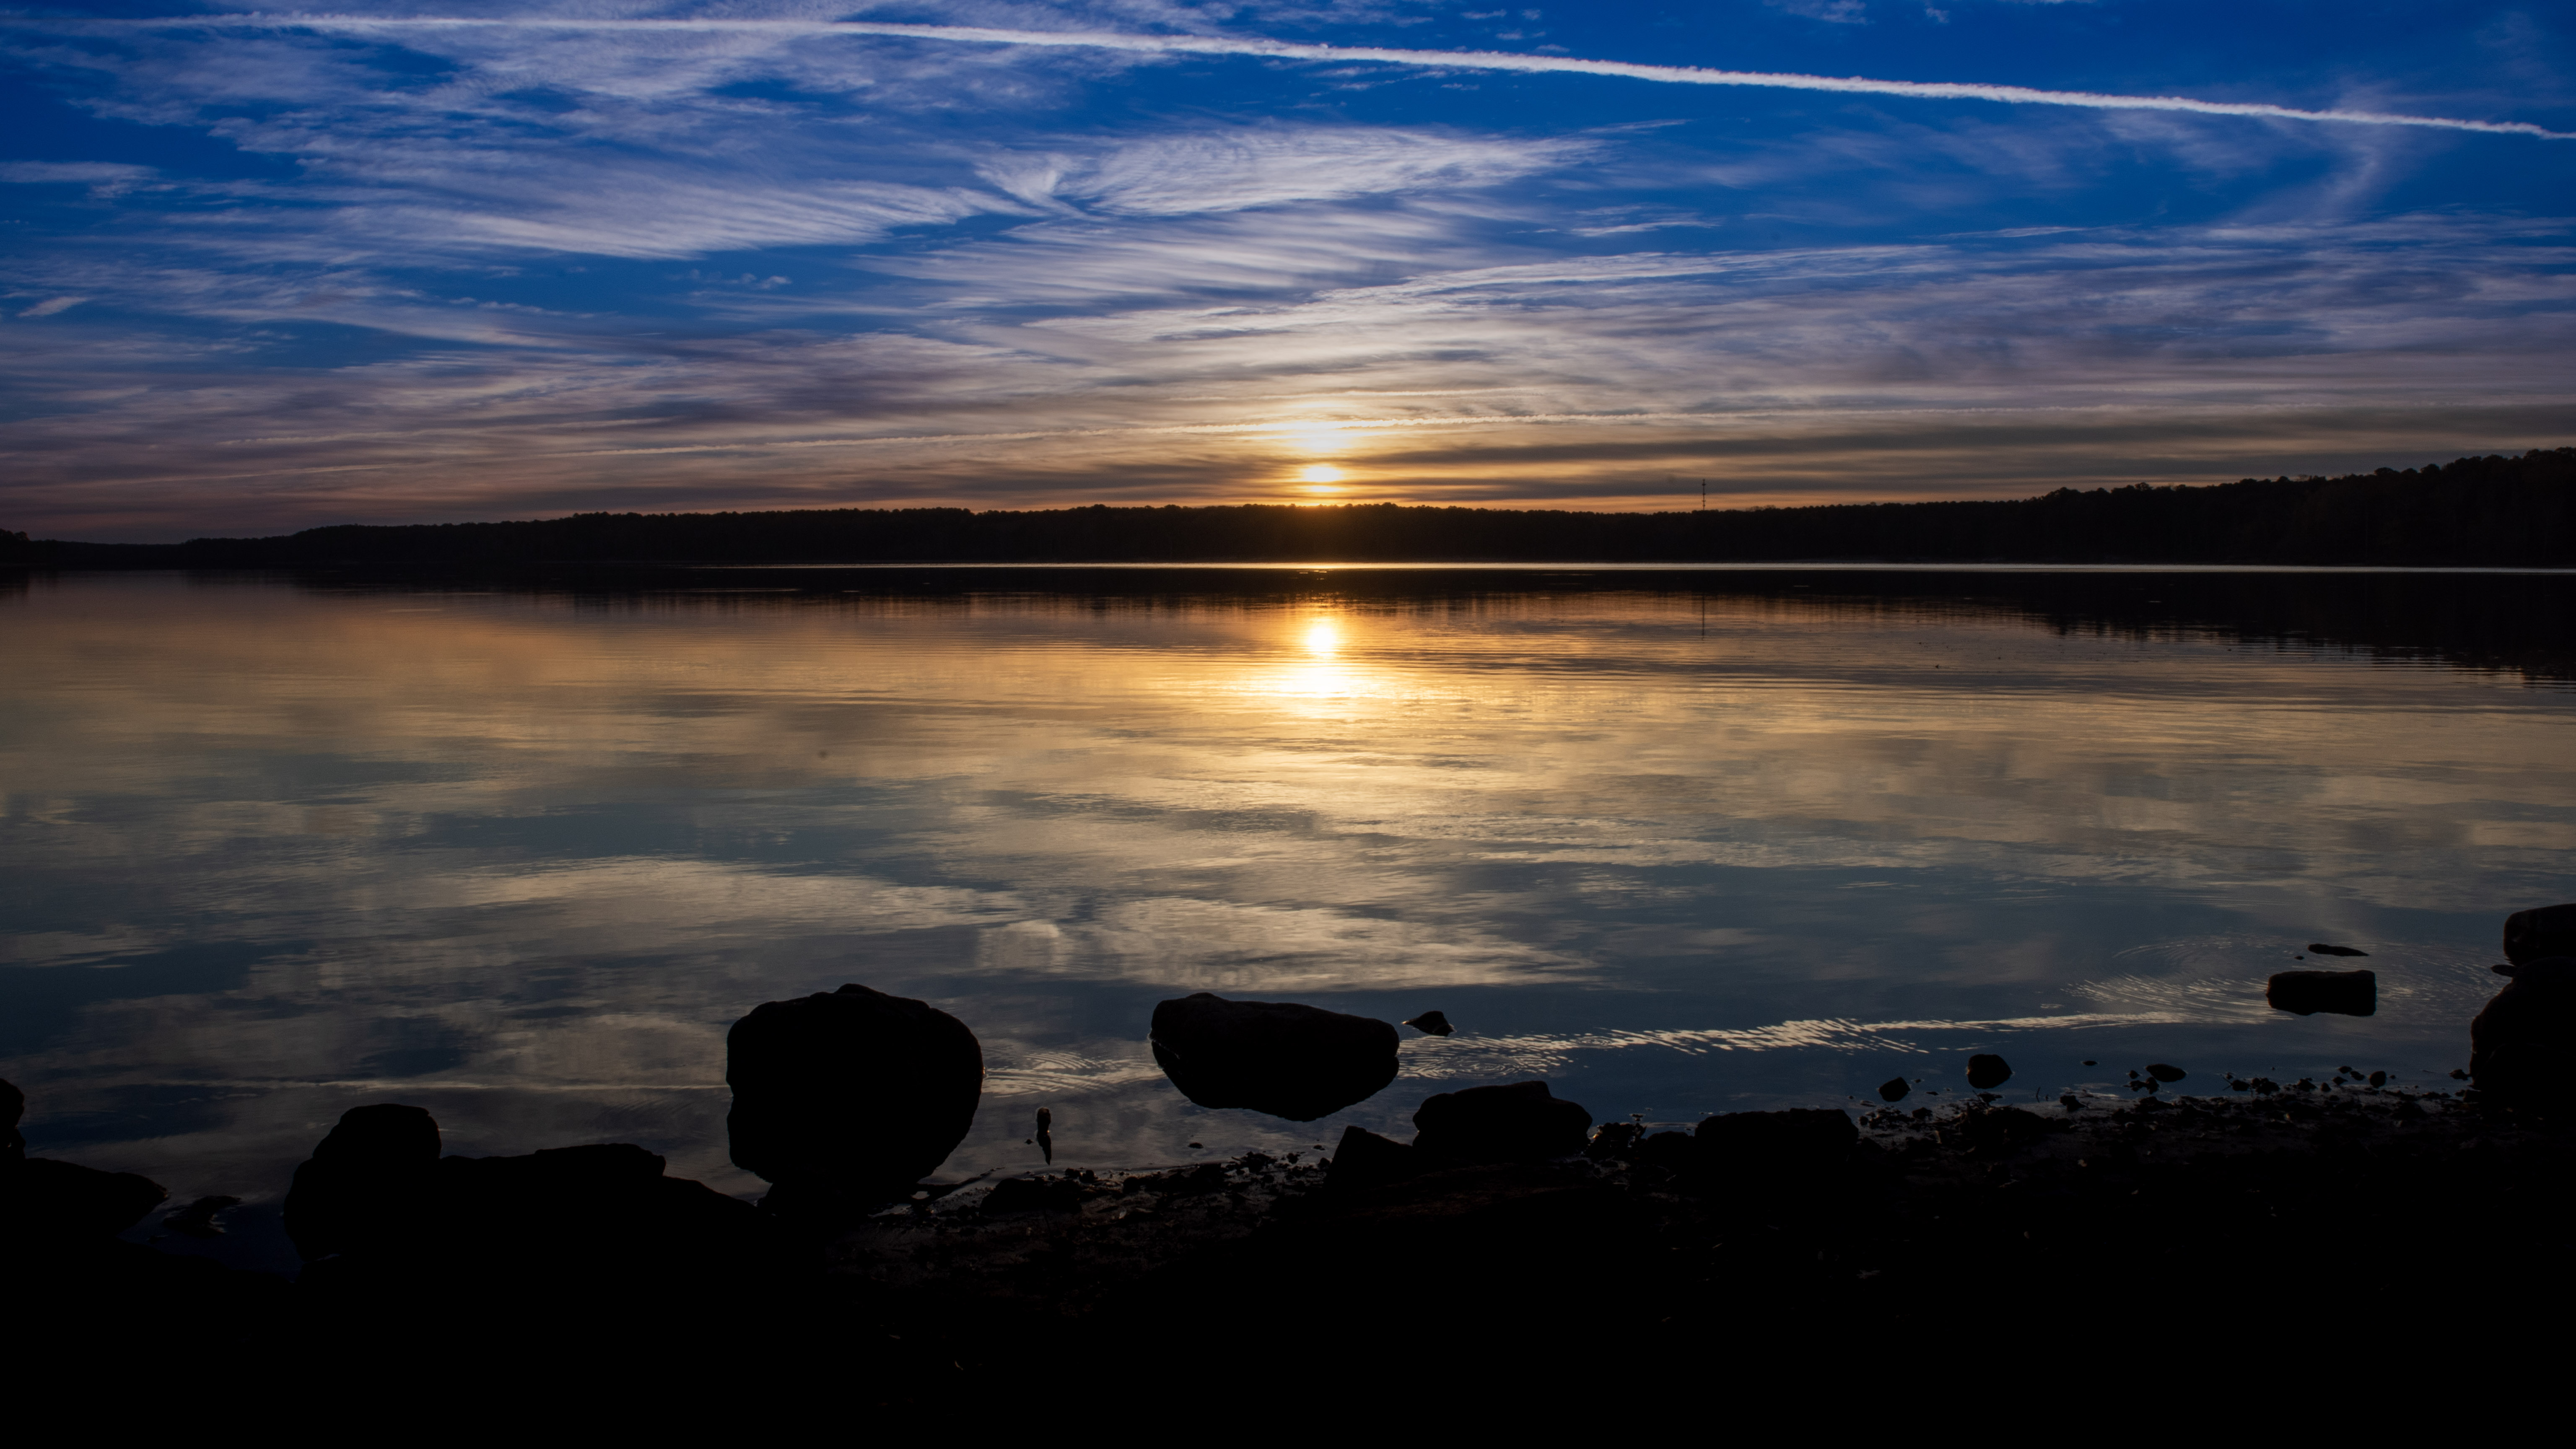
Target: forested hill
x: 2492, y: 511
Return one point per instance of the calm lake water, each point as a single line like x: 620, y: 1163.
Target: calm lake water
x: 520, y: 851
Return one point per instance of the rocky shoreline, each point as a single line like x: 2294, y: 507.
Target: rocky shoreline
x: 1510, y: 1225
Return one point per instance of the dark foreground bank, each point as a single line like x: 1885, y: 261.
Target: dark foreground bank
x: 2273, y: 1225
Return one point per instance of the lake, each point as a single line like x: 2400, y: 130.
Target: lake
x: 519, y: 849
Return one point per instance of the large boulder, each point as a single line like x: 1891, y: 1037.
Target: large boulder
x: 2338, y: 993
x: 1292, y: 1061
x: 367, y: 1183
x: 850, y: 1091
x: 2540, y: 933
x: 2524, y: 1043
x: 1521, y: 1122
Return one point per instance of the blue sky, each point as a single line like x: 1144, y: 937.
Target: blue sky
x: 262, y: 276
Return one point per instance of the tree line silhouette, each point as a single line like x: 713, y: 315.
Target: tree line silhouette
x: 2493, y: 510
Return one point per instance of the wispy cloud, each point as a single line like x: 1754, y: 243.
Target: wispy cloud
x: 1292, y: 50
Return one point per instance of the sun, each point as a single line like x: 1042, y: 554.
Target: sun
x: 1321, y: 473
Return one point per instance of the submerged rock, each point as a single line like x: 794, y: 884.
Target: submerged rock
x: 2524, y: 1042
x: 1286, y: 1059
x: 850, y: 1092
x: 1987, y: 1071
x: 2339, y: 993
x: 1521, y: 1122
x: 2540, y: 933
x: 2319, y: 948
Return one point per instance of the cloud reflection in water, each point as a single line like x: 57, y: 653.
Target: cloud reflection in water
x: 522, y: 859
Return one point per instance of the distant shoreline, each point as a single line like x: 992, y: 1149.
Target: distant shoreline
x: 2492, y: 513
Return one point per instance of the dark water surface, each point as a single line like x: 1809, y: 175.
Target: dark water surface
x: 519, y: 851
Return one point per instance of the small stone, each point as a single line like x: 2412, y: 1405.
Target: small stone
x: 2164, y: 1073
x: 2379, y: 1079
x: 1893, y: 1090
x: 1986, y: 1070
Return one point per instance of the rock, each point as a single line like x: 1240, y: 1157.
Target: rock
x: 1431, y: 1022
x: 1364, y: 1159
x: 1893, y: 1089
x: 1292, y: 1061
x: 850, y: 1092
x: 1986, y: 1070
x: 2340, y: 993
x: 366, y: 1183
x: 2164, y: 1073
x: 1521, y: 1122
x: 2538, y: 934
x: 2318, y: 948
x: 375, y: 1221
x: 60, y: 1202
x: 2524, y: 1042
x: 1799, y: 1138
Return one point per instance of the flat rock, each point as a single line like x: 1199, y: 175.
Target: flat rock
x: 2338, y: 993
x: 44, y: 1201
x: 1519, y: 1122
x: 1283, y: 1058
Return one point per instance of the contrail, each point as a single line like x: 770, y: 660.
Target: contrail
x: 1289, y: 50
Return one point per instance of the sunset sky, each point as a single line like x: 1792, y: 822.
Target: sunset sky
x: 262, y: 274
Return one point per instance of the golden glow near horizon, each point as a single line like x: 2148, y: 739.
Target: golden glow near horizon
x: 1321, y: 473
